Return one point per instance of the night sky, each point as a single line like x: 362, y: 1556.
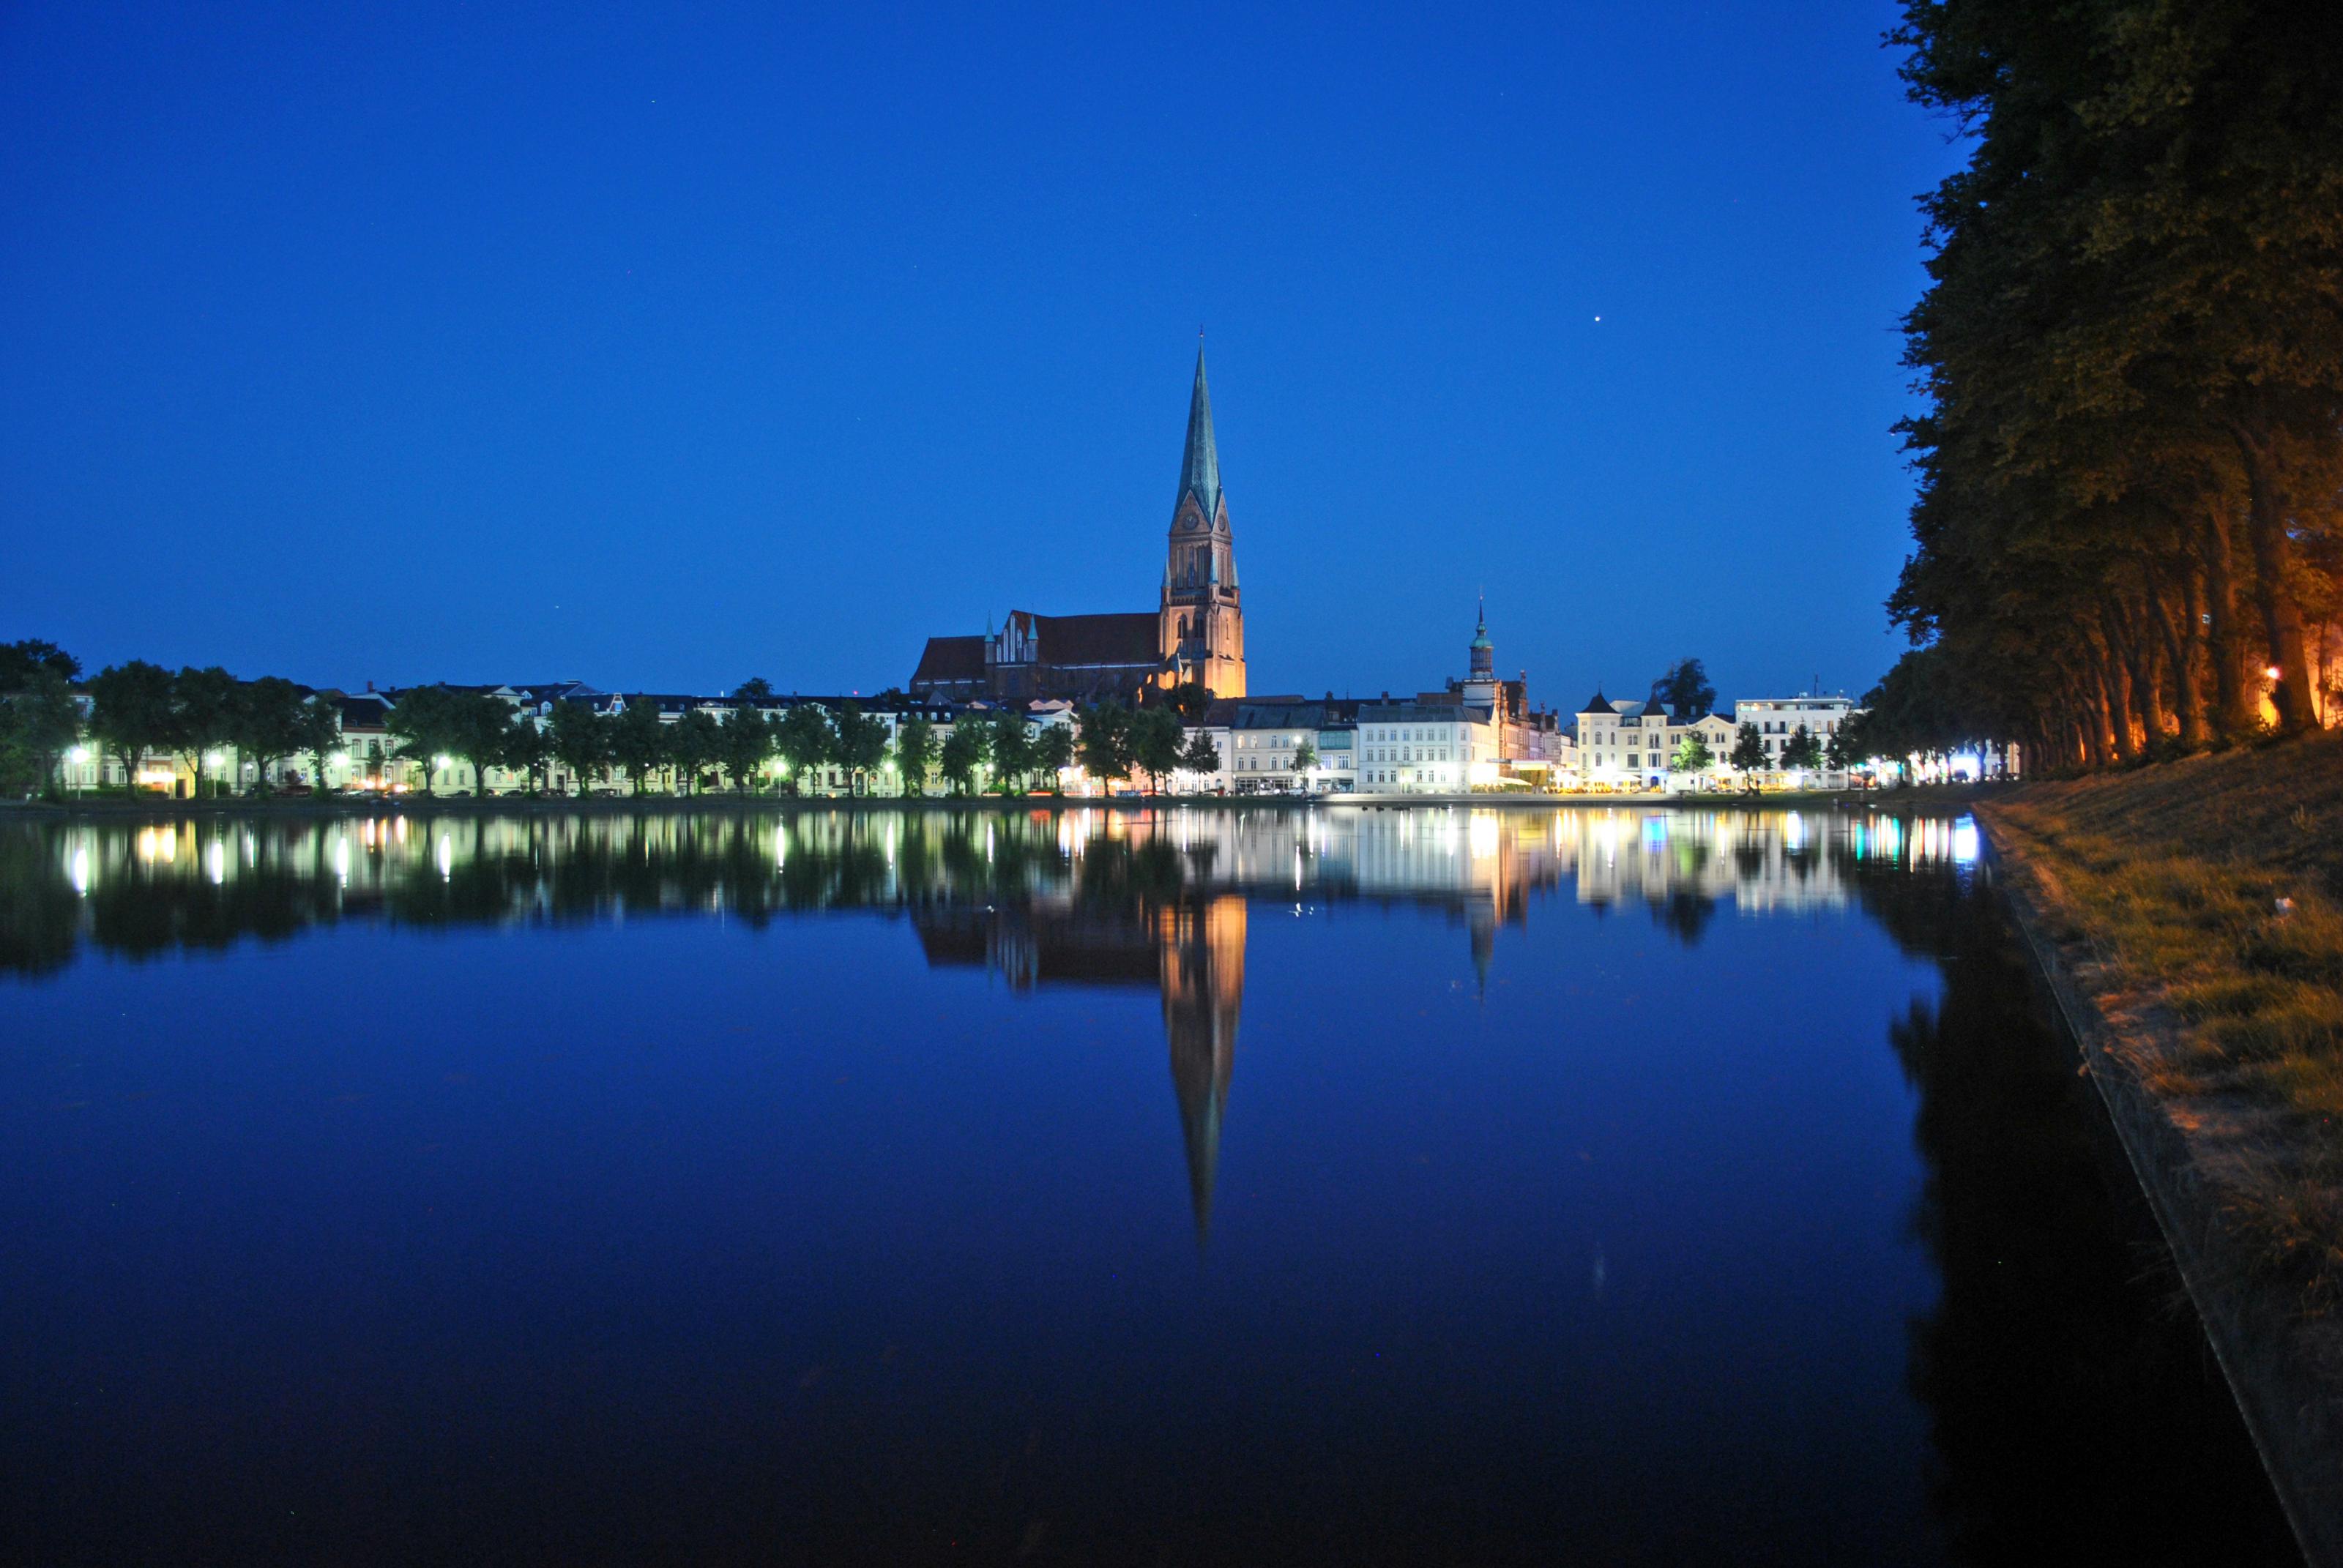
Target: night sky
x: 660, y: 347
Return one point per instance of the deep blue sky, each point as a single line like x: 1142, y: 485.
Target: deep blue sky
x: 657, y: 345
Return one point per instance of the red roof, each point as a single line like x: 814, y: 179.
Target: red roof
x: 1128, y: 639
x: 950, y: 658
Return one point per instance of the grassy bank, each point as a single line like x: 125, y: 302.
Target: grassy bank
x: 2200, y: 904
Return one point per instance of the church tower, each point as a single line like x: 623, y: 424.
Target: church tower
x: 1480, y: 687
x: 1201, y: 628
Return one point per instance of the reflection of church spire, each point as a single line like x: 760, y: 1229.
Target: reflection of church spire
x: 1203, y: 958
x: 1485, y: 946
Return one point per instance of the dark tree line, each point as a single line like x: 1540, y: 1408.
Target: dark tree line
x: 798, y: 742
x: 2132, y: 348
x: 200, y: 715
x: 138, y: 709
x: 38, y: 718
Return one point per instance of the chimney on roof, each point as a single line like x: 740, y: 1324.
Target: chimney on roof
x: 370, y: 687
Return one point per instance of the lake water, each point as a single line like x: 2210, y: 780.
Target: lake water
x: 1181, y: 1186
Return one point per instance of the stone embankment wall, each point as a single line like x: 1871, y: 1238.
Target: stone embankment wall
x: 2283, y: 1367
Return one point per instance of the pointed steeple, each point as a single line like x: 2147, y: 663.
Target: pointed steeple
x: 1200, y: 464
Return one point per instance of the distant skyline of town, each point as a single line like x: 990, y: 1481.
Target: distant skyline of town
x: 670, y: 355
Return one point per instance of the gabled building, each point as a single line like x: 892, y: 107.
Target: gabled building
x: 1632, y: 745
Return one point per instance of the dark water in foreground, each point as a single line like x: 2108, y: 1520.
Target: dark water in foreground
x: 1203, y: 1186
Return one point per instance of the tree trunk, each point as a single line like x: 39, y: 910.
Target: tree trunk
x: 2138, y: 654
x: 2115, y: 702
x: 2188, y: 695
x: 2281, y: 616
x: 2147, y: 686
x: 2233, y: 717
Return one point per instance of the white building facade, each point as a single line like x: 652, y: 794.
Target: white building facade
x: 1424, y: 749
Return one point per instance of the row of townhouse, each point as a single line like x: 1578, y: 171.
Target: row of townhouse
x: 1477, y: 733
x: 1259, y: 740
x: 1633, y: 745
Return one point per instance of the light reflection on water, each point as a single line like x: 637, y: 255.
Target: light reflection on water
x: 1640, y: 1184
x: 1759, y: 859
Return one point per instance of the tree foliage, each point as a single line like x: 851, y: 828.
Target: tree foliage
x: 581, y: 742
x: 1053, y: 752
x: 2132, y: 351
x: 39, y: 720
x: 1151, y: 742
x: 423, y: 724
x: 860, y: 746
x: 1201, y: 754
x: 265, y: 722
x: 480, y: 732
x: 639, y: 743
x: 966, y: 750
x: 203, y: 717
x: 130, y: 712
x: 745, y: 746
x: 808, y: 743
x: 695, y: 743
x: 317, y: 735
x: 1190, y: 699
x: 1684, y: 690
x: 1012, y: 750
x: 915, y: 754
x: 1103, y: 741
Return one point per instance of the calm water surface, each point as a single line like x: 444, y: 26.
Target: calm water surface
x: 1193, y: 1186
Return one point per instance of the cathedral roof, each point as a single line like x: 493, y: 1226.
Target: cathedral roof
x: 1200, y: 463
x: 1131, y: 639
x: 950, y: 658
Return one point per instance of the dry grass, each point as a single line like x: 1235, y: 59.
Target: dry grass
x: 2209, y: 893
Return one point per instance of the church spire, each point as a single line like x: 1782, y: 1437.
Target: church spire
x: 1200, y: 464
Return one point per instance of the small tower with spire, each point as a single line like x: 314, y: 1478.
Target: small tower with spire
x: 1479, y: 686
x: 1201, y: 627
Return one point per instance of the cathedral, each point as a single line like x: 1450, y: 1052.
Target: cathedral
x: 1195, y: 633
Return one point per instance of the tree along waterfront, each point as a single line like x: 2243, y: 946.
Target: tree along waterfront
x: 211, y: 722
x: 2125, y: 537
